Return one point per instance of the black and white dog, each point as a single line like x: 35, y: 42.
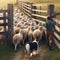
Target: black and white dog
x: 31, y: 47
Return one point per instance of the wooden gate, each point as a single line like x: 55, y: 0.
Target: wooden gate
x: 6, y: 24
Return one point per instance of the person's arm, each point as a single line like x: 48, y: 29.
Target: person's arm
x: 45, y: 29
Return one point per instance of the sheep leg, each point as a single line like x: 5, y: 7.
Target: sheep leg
x: 15, y: 47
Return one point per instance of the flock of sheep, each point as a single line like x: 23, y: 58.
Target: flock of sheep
x: 25, y: 29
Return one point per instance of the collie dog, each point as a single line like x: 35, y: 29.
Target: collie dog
x: 31, y: 48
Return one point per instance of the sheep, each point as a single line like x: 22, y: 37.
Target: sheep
x: 37, y: 33
x: 15, y: 23
x: 17, y: 38
x: 26, y: 25
x: 25, y: 18
x: 30, y: 33
x: 16, y: 30
x: 20, y: 24
x: 24, y: 33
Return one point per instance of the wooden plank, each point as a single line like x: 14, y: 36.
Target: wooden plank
x: 39, y: 16
x: 57, y: 36
x: 29, y: 5
x: 1, y: 14
x: 39, y: 21
x: 51, y: 10
x: 3, y: 32
x: 34, y: 12
x: 57, y: 21
x: 4, y: 14
x: 2, y: 18
x: 10, y: 22
x: 57, y: 28
x: 43, y: 4
x: 39, y: 10
x: 57, y: 43
x: 27, y: 13
x: 27, y: 10
x: 26, y: 7
x: 2, y: 11
x: 40, y: 4
x: 3, y: 24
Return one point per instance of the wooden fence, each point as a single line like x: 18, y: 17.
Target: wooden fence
x: 33, y: 12
x: 7, y: 17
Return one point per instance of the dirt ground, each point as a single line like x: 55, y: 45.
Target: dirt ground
x: 20, y: 55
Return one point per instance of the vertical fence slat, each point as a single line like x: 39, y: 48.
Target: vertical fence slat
x: 40, y: 9
x: 50, y: 10
x: 10, y: 21
x: 4, y: 15
x: 9, y: 33
x: 34, y: 12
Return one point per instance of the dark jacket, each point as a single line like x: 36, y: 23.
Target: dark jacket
x: 50, y: 26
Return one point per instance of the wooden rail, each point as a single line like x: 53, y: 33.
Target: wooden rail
x: 41, y: 4
x: 39, y: 16
x: 39, y: 10
x: 27, y: 10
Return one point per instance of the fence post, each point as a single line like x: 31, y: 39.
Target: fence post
x: 31, y: 10
x: 10, y: 21
x: 40, y: 9
x: 4, y: 14
x: 51, y: 10
x: 34, y: 12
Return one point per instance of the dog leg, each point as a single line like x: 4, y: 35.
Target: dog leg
x: 31, y: 54
x: 27, y: 54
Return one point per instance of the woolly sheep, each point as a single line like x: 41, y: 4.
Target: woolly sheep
x: 17, y: 38
x: 30, y: 33
x: 37, y: 34
x: 24, y: 33
x: 16, y: 30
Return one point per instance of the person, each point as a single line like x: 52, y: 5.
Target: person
x: 50, y: 28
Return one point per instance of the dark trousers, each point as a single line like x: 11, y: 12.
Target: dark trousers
x: 49, y: 35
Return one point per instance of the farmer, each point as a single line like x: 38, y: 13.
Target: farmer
x: 50, y: 27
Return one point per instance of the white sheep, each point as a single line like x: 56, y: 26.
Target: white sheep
x: 16, y: 30
x: 30, y: 33
x: 20, y: 24
x: 37, y: 33
x: 24, y: 33
x: 17, y: 38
